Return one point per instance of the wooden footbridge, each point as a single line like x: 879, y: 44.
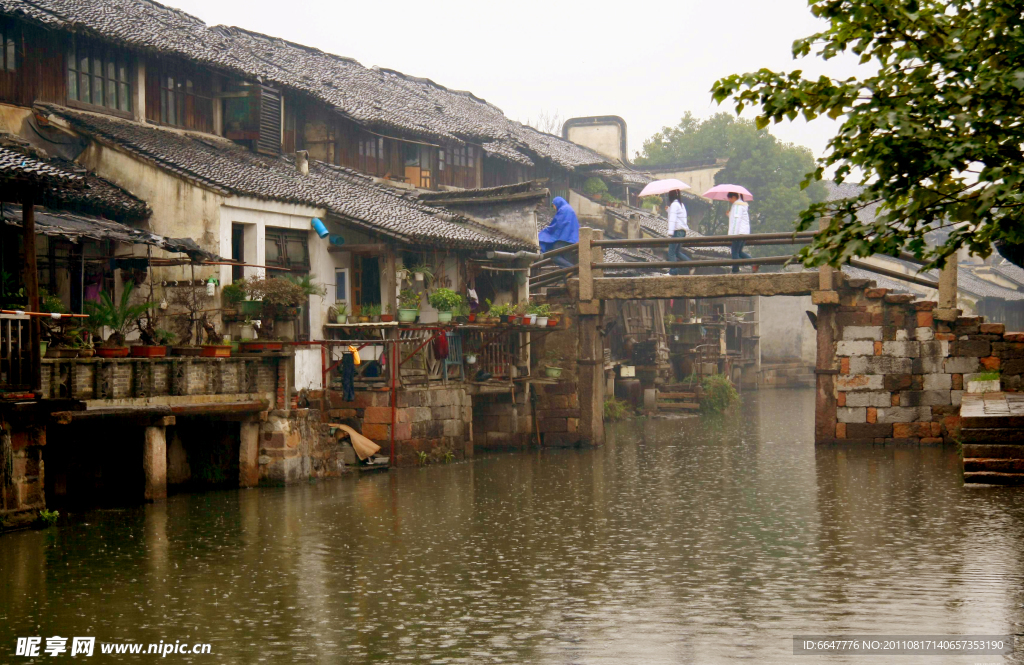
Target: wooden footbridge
x: 590, y: 288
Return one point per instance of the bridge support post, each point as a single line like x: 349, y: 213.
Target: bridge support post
x: 826, y: 366
x: 947, y: 310
x: 590, y: 352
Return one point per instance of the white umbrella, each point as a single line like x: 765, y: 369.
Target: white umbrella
x: 663, y: 187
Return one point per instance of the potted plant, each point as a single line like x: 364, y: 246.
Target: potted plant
x: 154, y: 342
x: 422, y: 272
x: 120, y: 317
x: 217, y: 350
x: 553, y: 318
x: 232, y: 296
x: 85, y: 347
x: 542, y: 311
x: 461, y: 313
x: 500, y: 312
x: 408, y: 305
x: 389, y: 315
x: 444, y: 301
x: 281, y: 299
x: 553, y: 364
x: 189, y: 301
x: 338, y: 312
x: 373, y: 312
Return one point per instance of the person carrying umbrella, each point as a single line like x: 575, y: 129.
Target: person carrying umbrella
x: 563, y: 230
x: 677, y: 228
x: 739, y: 225
x: 739, y: 216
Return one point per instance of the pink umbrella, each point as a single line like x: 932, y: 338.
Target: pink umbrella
x: 721, y: 193
x: 663, y: 187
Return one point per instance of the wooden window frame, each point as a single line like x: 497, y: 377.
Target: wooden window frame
x: 116, y: 71
x: 280, y: 237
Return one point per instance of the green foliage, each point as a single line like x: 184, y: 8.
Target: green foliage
x: 276, y: 291
x: 449, y: 457
x: 986, y: 376
x: 48, y: 302
x: 48, y: 517
x: 540, y: 309
x: 233, y: 293
x: 444, y: 300
x: 651, y: 202
x: 501, y: 310
x: 594, y: 187
x: 771, y: 170
x: 934, y: 130
x: 120, y: 316
x: 164, y: 337
x: 308, y: 286
x: 615, y: 409
x: 719, y: 393
x: 371, y: 310
x: 425, y: 269
x: 409, y: 299
x: 421, y: 455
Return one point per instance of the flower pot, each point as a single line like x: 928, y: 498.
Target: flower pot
x: 542, y: 321
x: 515, y: 319
x: 418, y: 276
x: 341, y: 318
x: 407, y: 315
x: 375, y: 319
x: 364, y: 319
x: 42, y: 348
x: 444, y: 317
x: 553, y: 372
x: 552, y: 322
x: 187, y: 351
x: 472, y: 317
x: 387, y: 318
x: 248, y: 332
x: 143, y: 351
x: 112, y: 351
x: 86, y: 353
x: 216, y: 350
x: 503, y: 318
x: 470, y: 358
x: 61, y: 352
x: 260, y: 347
x: 529, y: 319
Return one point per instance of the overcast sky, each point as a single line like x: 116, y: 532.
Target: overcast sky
x: 648, y: 62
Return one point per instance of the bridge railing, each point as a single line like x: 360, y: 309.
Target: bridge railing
x: 588, y: 238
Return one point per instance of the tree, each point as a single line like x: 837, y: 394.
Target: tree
x: 771, y: 170
x: 547, y: 122
x: 936, y: 131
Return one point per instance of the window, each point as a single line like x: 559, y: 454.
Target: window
x: 173, y: 94
x: 341, y: 285
x: 287, y: 249
x: 99, y: 76
x: 8, y: 48
x: 417, y: 165
x: 371, y: 155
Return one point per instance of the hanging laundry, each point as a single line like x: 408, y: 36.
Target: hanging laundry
x: 348, y: 377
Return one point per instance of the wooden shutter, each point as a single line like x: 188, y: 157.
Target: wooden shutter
x: 269, y: 141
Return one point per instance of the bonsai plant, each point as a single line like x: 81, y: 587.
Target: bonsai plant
x: 154, y: 341
x: 444, y: 301
x: 120, y: 317
x: 280, y: 299
x: 233, y: 294
x: 191, y: 300
x: 373, y: 312
x: 389, y: 314
x: 461, y: 312
x: 553, y: 364
x: 408, y: 305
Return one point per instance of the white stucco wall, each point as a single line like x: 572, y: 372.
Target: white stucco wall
x: 605, y: 139
x: 699, y: 180
x: 786, y: 331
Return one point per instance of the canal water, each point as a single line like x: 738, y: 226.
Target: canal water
x: 686, y: 540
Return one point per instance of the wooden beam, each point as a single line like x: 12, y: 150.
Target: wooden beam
x: 368, y: 248
x: 28, y: 223
x: 586, y: 264
x: 703, y: 286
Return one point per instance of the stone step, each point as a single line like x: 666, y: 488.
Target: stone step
x: 994, y: 478
x: 993, y: 451
x: 677, y: 406
x: 992, y: 422
x: 992, y: 435
x: 1001, y: 465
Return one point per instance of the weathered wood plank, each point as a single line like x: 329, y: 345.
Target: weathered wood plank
x: 677, y: 406
x: 704, y: 286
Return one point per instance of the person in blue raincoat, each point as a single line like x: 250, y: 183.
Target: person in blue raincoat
x: 563, y: 230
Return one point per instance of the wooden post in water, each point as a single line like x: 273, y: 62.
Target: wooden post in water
x: 826, y: 366
x: 31, y: 278
x: 590, y: 356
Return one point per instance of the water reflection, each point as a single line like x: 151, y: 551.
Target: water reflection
x: 681, y: 540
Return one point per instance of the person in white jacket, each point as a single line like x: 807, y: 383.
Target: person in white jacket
x: 677, y: 228
x: 739, y: 225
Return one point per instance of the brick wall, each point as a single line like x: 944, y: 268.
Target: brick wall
x: 20, y: 502
x: 558, y: 413
x: 902, y: 373
x: 502, y: 421
x: 433, y: 420
x: 294, y: 446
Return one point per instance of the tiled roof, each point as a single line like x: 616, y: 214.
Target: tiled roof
x: 626, y: 176
x: 68, y: 186
x: 20, y: 167
x: 378, y: 98
x: 227, y: 168
x: 77, y: 227
x: 972, y: 284
x: 880, y: 281
x: 1010, y: 271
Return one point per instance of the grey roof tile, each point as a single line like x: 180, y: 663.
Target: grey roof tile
x: 224, y: 167
x: 382, y: 99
